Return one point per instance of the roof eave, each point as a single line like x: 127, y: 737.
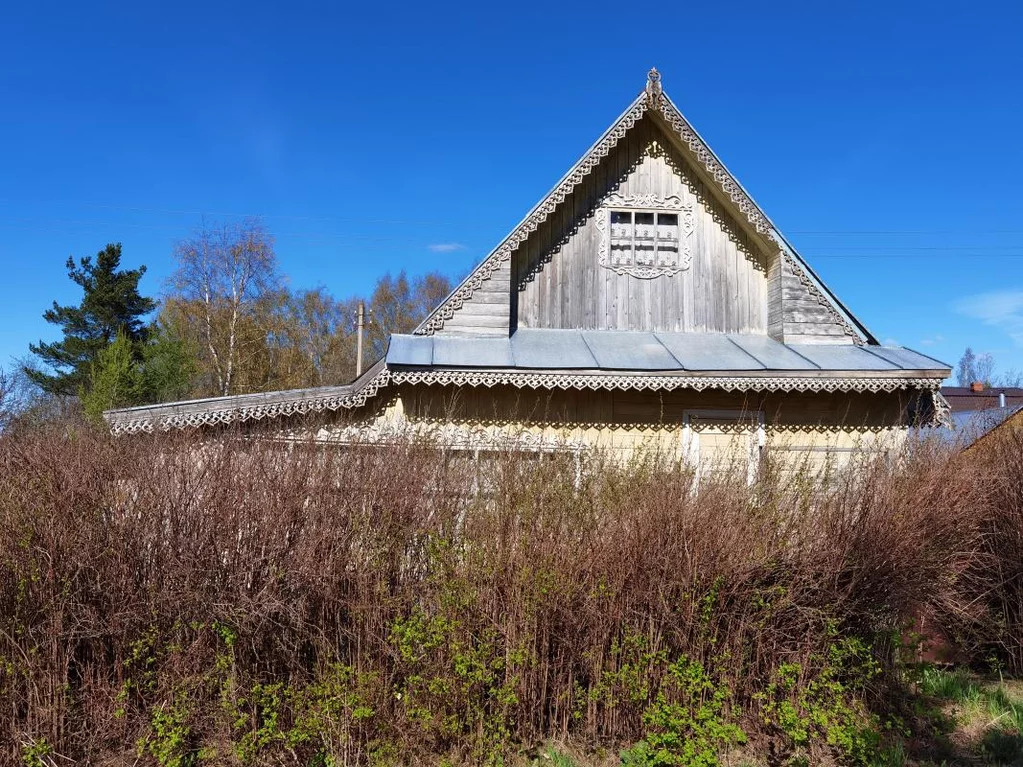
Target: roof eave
x: 938, y: 374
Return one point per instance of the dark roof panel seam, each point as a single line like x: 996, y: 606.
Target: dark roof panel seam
x: 928, y: 356
x: 666, y: 349
x: 872, y: 353
x: 746, y: 352
x: 803, y: 356
x: 589, y: 349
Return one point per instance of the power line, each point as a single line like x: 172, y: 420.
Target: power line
x: 225, y: 214
x: 359, y: 219
x: 971, y: 232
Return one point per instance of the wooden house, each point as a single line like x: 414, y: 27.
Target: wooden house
x: 645, y: 301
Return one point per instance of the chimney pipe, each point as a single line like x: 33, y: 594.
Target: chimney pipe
x: 1001, y: 399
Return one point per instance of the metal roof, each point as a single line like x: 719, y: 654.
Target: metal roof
x: 543, y: 349
x: 966, y: 427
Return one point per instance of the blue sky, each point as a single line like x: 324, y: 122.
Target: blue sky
x: 882, y: 138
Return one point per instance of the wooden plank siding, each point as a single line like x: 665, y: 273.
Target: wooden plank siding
x: 733, y: 285
x: 561, y: 285
x: 489, y: 310
x: 804, y: 318
x: 798, y: 427
x: 527, y: 408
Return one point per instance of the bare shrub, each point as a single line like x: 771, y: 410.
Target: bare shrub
x: 987, y: 617
x: 244, y: 601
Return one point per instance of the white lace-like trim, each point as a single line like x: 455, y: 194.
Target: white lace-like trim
x: 134, y: 422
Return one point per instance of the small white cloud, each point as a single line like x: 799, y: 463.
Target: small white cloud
x: 1002, y: 309
x: 933, y: 340
x: 890, y: 342
x: 446, y: 247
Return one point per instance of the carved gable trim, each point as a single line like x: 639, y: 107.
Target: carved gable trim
x: 651, y: 99
x: 811, y: 288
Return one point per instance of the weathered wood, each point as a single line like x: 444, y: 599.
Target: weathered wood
x: 723, y: 290
x: 732, y: 285
x: 480, y: 320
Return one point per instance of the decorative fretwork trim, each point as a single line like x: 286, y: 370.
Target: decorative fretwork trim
x: 593, y: 382
x: 941, y: 411
x: 660, y: 103
x: 811, y: 287
x: 166, y: 419
x: 686, y: 226
x: 134, y: 422
x: 449, y: 435
x: 653, y: 99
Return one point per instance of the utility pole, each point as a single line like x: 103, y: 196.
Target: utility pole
x: 359, y: 325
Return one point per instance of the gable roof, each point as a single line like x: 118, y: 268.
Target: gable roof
x: 652, y: 100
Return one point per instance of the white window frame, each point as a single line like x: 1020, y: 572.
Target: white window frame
x: 635, y: 242
x: 647, y: 203
x: 691, y: 438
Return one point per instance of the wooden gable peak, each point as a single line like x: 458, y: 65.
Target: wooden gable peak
x: 653, y: 99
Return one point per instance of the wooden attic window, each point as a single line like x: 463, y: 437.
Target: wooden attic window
x: 644, y: 238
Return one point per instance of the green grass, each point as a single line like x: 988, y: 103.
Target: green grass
x: 988, y: 715
x: 957, y: 685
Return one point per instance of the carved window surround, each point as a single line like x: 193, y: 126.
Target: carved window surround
x: 660, y: 262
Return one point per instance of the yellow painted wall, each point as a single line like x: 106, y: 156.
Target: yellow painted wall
x: 822, y: 426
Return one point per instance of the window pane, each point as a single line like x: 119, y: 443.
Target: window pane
x: 621, y: 237
x: 645, y: 227
x: 646, y: 234
x: 667, y: 219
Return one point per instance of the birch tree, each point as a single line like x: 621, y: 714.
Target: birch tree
x: 224, y: 273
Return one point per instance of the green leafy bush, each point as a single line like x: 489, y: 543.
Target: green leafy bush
x: 686, y: 725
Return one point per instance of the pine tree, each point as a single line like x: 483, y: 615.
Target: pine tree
x: 111, y: 304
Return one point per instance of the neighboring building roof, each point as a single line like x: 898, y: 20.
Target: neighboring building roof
x: 631, y: 351
x: 966, y: 427
x: 963, y: 398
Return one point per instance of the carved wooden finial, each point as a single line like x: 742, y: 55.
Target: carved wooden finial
x: 653, y: 83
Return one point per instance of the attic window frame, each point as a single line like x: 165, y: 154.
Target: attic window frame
x: 652, y: 204
x: 634, y: 240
